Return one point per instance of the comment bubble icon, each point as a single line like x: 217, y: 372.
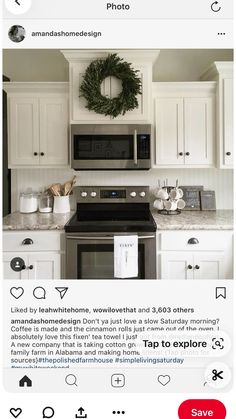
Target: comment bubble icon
x: 39, y: 293
x: 48, y: 412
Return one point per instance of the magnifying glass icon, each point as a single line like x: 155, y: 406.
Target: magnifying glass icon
x: 217, y: 343
x: 71, y: 380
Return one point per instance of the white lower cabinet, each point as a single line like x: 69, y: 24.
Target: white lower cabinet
x: 195, y: 255
x: 42, y: 253
x: 192, y: 266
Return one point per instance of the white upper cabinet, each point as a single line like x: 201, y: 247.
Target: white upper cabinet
x: 184, y: 121
x: 199, y: 121
x: 142, y: 61
x: 53, y: 143
x: 38, y: 124
x: 222, y: 73
x: 169, y: 131
x: 23, y: 131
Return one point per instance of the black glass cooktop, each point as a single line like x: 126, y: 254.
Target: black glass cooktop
x: 111, y: 218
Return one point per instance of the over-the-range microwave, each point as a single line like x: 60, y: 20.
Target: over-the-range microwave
x: 111, y: 147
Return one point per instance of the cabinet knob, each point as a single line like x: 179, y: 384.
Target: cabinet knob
x: 35, y: 153
x: 181, y: 153
x: 30, y: 267
x: 197, y: 267
x: 190, y: 267
x: 193, y: 240
x: 187, y: 154
x: 27, y: 241
x: 228, y: 153
x: 42, y: 154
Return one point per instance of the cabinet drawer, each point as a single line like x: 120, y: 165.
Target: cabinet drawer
x: 30, y: 241
x: 195, y: 240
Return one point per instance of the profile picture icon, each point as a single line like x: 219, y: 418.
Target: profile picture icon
x: 16, y: 33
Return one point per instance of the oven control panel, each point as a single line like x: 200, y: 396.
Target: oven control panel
x: 115, y: 194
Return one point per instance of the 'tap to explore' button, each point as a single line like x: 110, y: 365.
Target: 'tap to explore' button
x: 206, y: 408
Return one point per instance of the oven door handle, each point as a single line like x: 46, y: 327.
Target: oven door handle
x: 103, y: 238
x: 135, y: 148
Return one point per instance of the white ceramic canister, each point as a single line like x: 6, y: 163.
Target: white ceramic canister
x: 61, y: 204
x: 28, y: 202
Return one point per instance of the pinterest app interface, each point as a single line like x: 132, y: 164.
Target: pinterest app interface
x: 117, y: 224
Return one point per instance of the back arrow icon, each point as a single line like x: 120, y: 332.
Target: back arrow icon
x: 215, y: 7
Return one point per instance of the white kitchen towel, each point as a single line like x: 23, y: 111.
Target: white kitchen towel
x: 125, y: 256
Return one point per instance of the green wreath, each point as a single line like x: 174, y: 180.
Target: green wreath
x: 96, y: 72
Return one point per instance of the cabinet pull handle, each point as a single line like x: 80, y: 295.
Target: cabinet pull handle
x: 228, y: 153
x: 42, y: 154
x: 35, y: 153
x: 30, y: 267
x: 193, y: 240
x: 27, y: 241
x: 196, y: 267
x: 181, y: 153
x: 190, y: 267
x: 135, y: 148
x: 187, y: 154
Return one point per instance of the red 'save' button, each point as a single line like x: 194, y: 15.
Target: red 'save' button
x: 206, y: 408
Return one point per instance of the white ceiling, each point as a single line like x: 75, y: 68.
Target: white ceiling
x: 50, y: 65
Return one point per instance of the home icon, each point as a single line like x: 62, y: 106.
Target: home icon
x: 25, y: 382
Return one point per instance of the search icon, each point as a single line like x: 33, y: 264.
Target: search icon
x: 48, y: 412
x: 71, y: 380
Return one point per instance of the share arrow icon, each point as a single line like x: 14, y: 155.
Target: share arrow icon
x: 62, y: 291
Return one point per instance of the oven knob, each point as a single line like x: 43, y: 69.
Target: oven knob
x: 142, y: 194
x: 84, y: 194
x: 93, y: 194
x: 133, y: 194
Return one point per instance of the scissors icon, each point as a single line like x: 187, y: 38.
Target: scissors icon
x: 217, y: 375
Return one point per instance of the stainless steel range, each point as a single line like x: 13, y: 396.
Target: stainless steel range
x: 103, y: 213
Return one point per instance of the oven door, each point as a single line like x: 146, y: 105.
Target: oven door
x: 92, y: 256
x: 110, y: 147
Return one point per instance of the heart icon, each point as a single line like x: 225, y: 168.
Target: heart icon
x: 163, y: 379
x: 17, y: 292
x: 16, y: 412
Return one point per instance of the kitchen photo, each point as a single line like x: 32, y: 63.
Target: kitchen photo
x: 117, y: 164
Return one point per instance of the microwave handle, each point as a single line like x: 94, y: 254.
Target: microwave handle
x: 135, y: 148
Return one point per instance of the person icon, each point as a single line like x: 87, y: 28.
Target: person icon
x: 16, y: 33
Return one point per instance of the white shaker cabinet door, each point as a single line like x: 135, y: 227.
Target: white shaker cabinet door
x: 209, y: 266
x: 23, y: 131
x: 44, y: 265
x: 8, y: 272
x: 54, y: 131
x: 199, y: 131
x: 169, y: 131
x: 228, y: 122
x: 177, y: 265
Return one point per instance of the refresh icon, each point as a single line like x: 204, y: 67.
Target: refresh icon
x: 215, y: 7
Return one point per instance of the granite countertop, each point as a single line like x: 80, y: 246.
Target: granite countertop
x: 35, y: 221
x: 187, y: 220
x: 195, y: 220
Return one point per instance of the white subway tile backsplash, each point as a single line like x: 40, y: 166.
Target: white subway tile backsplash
x: 213, y: 179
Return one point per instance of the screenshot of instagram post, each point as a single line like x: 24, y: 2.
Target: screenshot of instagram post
x: 117, y: 224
